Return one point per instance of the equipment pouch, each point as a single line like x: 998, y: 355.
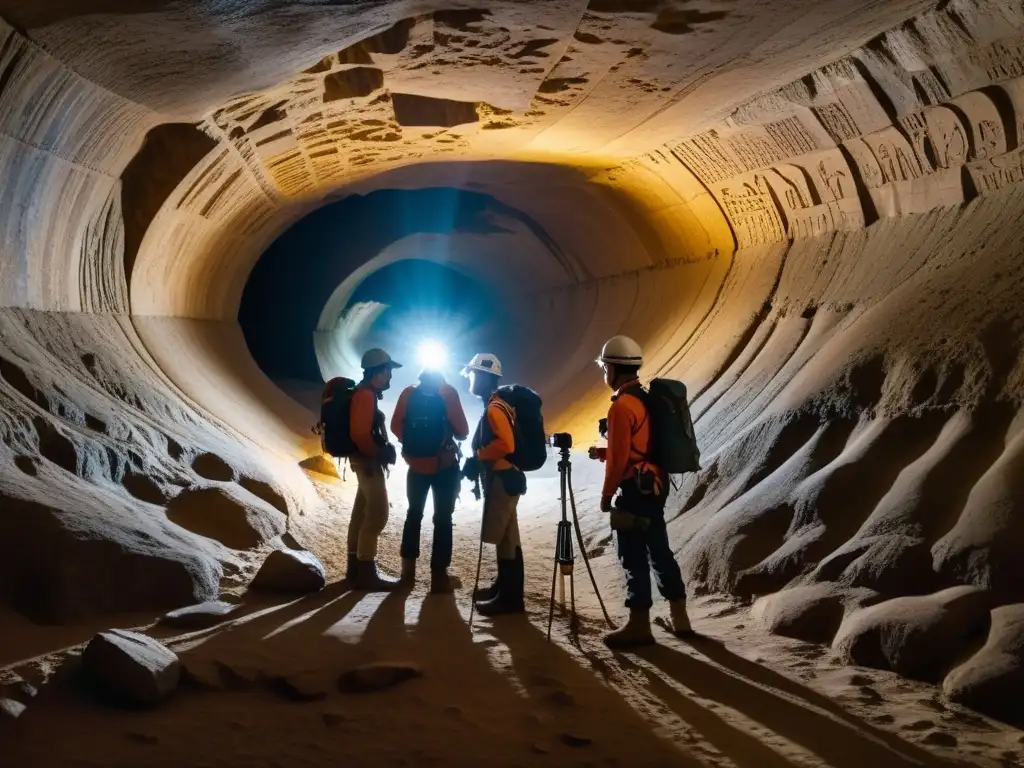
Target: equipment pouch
x: 513, y: 481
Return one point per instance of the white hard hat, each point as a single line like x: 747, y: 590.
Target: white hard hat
x: 485, y: 363
x: 621, y: 350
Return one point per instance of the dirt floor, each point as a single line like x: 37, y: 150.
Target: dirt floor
x: 497, y: 694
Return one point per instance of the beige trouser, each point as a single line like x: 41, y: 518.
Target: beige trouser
x: 369, y: 512
x: 501, y: 523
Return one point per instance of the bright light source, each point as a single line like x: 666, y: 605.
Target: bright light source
x: 432, y: 354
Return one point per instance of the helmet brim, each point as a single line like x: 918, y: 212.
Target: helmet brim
x: 470, y: 368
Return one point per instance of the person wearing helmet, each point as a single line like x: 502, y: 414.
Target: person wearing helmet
x: 428, y: 420
x: 503, y: 484
x: 370, y: 510
x: 638, y: 513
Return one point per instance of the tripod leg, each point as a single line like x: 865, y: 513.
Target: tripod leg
x: 551, y: 609
x: 583, y: 551
x: 574, y: 624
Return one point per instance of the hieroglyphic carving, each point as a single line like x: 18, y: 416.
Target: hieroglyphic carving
x: 752, y: 211
x: 755, y: 149
x: 996, y: 173
x: 1003, y: 60
x: 708, y: 157
x: 837, y: 121
x: 895, y: 158
x: 791, y: 137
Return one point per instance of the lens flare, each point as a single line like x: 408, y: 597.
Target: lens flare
x: 432, y: 354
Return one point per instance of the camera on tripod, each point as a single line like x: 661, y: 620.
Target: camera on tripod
x: 561, y: 440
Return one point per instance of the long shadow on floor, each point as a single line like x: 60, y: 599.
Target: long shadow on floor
x: 775, y: 702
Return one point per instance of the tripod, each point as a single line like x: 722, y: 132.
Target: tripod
x: 564, y: 559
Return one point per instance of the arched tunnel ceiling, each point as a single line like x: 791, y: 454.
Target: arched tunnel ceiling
x: 807, y: 211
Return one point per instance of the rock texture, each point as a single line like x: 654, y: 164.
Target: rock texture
x: 290, y: 570
x: 201, y: 616
x: 808, y: 214
x: 131, y: 668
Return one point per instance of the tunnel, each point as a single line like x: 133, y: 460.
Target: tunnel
x: 809, y: 213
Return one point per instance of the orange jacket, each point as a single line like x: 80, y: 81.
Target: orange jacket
x: 430, y: 465
x: 500, y: 418
x: 364, y: 422
x: 629, y: 439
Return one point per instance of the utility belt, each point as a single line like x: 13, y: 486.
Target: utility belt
x: 646, y: 486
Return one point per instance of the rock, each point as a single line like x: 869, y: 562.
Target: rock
x: 375, y: 677
x: 300, y: 687
x: 203, y: 674
x: 811, y: 613
x: 10, y: 709
x: 332, y: 719
x: 321, y: 465
x: 264, y: 490
x: 918, y: 637
x: 131, y: 668
x: 574, y: 740
x: 115, y: 560
x: 199, y: 616
x: 940, y: 739
x: 213, y: 467
x: 290, y: 571
x: 991, y: 681
x: 228, y: 514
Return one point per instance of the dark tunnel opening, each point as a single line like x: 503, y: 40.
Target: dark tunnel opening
x: 425, y: 290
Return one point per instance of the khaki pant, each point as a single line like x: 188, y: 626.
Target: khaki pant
x: 501, y: 522
x: 370, y: 511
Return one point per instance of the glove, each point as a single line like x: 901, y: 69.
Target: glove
x: 389, y: 454
x: 598, y: 454
x: 471, y: 468
x: 606, y: 504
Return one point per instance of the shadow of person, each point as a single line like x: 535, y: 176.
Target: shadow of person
x: 576, y: 698
x: 842, y: 741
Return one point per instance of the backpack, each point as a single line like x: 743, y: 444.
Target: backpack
x: 531, y: 442
x: 426, y: 424
x: 335, y: 407
x: 674, y: 444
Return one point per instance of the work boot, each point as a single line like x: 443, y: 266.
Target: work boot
x: 635, y: 633
x: 408, y: 577
x: 680, y: 621
x: 350, y: 569
x: 369, y: 579
x: 441, y: 583
x: 483, y: 594
x: 510, y: 590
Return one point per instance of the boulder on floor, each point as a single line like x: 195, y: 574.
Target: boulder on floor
x: 130, y: 668
x: 321, y: 465
x: 811, y: 612
x: 375, y: 677
x: 992, y: 680
x: 290, y: 570
x: 200, y: 616
x: 228, y: 514
x: 919, y: 637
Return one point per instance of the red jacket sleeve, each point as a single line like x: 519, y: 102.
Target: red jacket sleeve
x: 504, y: 441
x: 364, y: 408
x: 456, y: 415
x: 398, y: 417
x: 620, y: 441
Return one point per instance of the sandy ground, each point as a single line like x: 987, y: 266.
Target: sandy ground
x: 498, y: 693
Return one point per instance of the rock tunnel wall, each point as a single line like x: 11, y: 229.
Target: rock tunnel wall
x: 833, y: 266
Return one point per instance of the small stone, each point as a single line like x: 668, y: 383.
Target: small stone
x: 884, y: 719
x: 11, y: 709
x: 919, y: 725
x: 290, y: 571
x: 298, y: 688
x: 20, y: 690
x: 941, y: 739
x: 869, y: 694
x: 204, y: 674
x: 538, y: 749
x: 131, y: 668
x: 199, y: 616
x: 332, y: 719
x: 574, y: 740
x: 860, y: 680
x: 375, y: 677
